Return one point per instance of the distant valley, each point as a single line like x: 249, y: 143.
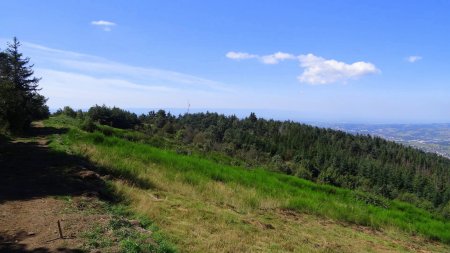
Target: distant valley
x: 433, y: 138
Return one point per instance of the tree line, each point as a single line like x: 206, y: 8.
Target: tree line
x: 20, y: 101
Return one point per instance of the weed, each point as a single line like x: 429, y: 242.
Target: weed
x: 95, y: 238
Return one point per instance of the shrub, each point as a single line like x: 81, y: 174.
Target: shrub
x: 68, y: 111
x: 114, y: 117
x: 446, y: 211
x: 88, y: 125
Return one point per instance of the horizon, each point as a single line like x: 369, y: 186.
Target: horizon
x: 265, y: 114
x: 346, y: 62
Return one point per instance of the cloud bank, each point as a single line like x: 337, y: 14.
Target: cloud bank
x: 104, y: 25
x: 316, y: 70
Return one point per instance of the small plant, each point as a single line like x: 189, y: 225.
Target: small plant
x: 130, y: 246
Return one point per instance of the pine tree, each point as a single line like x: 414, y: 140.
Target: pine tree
x: 20, y: 102
x: 21, y: 72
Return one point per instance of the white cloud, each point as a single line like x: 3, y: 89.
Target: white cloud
x: 103, y: 24
x: 81, y: 80
x: 413, y: 58
x: 240, y: 55
x: 318, y: 70
x: 266, y: 59
x: 276, y: 58
x: 81, y: 90
x: 97, y: 66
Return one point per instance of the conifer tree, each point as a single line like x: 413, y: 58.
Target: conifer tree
x: 20, y: 102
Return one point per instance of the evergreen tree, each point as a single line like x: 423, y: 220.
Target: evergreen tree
x: 21, y: 72
x: 20, y: 102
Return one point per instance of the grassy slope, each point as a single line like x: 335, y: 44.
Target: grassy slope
x: 205, y: 206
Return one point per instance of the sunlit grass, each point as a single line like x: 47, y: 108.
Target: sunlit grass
x: 227, y: 202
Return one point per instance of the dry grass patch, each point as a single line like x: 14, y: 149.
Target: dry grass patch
x: 199, y: 226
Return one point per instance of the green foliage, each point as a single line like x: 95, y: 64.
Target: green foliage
x: 372, y: 199
x: 20, y: 102
x: 114, y: 117
x: 446, y: 211
x: 88, y: 125
x: 67, y: 110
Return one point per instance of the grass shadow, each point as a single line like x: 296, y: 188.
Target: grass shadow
x: 29, y: 169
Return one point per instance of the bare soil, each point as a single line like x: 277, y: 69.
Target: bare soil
x: 36, y: 185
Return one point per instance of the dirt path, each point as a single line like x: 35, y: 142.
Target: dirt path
x: 31, y: 226
x: 38, y: 187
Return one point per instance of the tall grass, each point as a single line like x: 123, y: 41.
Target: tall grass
x: 130, y: 158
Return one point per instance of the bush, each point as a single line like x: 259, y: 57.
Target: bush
x: 80, y: 114
x: 67, y: 110
x: 88, y: 125
x: 114, y: 117
x: 303, y: 173
x: 446, y: 211
x: 413, y: 199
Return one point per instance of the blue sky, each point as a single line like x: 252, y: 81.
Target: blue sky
x: 328, y: 61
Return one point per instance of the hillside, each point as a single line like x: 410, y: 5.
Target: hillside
x: 205, y: 205
x: 220, y: 126
x: 357, y: 162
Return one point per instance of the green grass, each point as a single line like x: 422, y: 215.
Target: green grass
x: 119, y: 231
x: 132, y: 241
x: 132, y: 160
x: 95, y: 238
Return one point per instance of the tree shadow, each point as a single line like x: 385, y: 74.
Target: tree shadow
x: 32, y: 170
x: 10, y: 244
x: 29, y: 169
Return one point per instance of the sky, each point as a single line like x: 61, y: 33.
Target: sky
x: 323, y: 61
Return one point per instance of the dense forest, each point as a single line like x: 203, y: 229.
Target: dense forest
x: 360, y: 162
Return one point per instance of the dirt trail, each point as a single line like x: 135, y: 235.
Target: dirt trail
x: 36, y: 185
x: 31, y: 226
